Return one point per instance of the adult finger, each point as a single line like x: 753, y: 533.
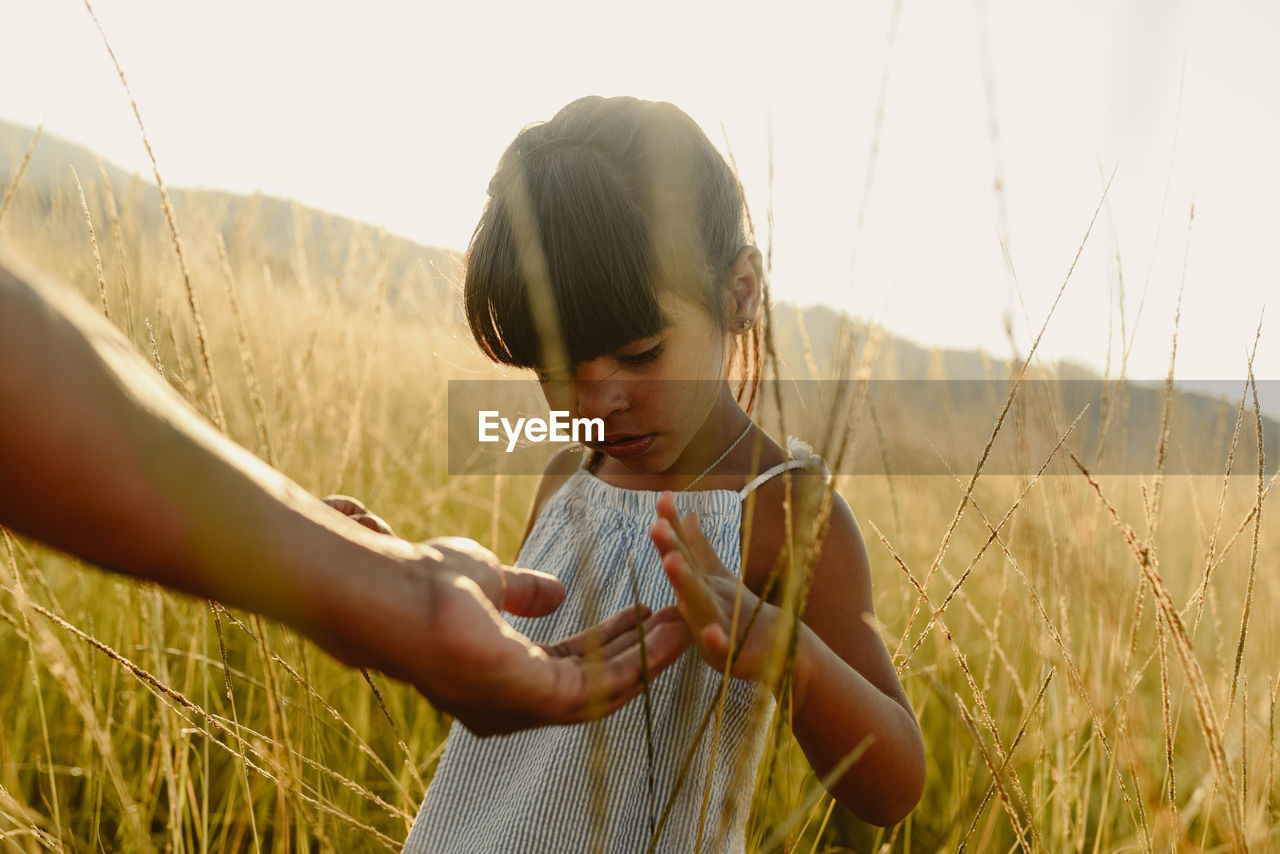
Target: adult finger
x: 661, y: 648
x: 624, y: 674
x: 483, y: 721
x: 637, y: 631
x: 570, y: 690
x: 345, y: 504
x: 602, y: 636
x: 374, y: 523
x: 663, y: 644
x: 530, y: 593
x: 627, y: 618
x: 619, y: 643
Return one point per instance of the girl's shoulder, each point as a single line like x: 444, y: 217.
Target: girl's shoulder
x: 566, y: 462
x: 787, y: 504
x: 562, y: 466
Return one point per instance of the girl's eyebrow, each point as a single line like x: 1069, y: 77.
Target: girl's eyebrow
x: 667, y: 323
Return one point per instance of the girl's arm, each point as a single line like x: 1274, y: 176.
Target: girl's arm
x: 847, y: 694
x: 846, y: 686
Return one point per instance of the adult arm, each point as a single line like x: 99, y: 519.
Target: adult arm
x: 100, y: 458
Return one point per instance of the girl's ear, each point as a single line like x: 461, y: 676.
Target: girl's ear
x: 746, y: 280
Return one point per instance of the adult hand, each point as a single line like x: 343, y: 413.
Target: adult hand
x: 355, y: 510
x: 498, y: 682
x: 438, y: 627
x: 102, y: 459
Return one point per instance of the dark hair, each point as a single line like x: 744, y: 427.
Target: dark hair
x: 599, y: 211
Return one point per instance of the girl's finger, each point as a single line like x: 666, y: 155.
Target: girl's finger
x: 666, y: 507
x: 692, y: 594
x: 683, y: 558
x: 688, y: 532
x: 664, y: 537
x: 708, y: 560
x: 715, y: 638
x: 668, y: 532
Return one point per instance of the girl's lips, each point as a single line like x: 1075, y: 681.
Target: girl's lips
x: 625, y: 447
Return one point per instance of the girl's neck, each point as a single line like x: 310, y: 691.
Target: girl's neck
x: 703, y: 463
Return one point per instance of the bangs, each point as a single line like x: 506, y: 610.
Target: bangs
x: 573, y: 216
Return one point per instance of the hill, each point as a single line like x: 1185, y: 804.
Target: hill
x: 274, y: 231
x: 924, y: 402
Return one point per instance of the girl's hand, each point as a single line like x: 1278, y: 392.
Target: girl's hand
x: 356, y: 511
x: 706, y: 594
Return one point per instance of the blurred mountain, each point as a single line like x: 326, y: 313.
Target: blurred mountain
x: 275, y: 231
x: 919, y: 406
x: 923, y: 402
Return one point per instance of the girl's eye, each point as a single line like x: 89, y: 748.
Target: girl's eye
x: 642, y: 358
x: 548, y: 377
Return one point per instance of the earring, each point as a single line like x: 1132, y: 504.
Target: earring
x: 746, y: 324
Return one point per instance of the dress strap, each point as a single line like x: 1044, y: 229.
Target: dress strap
x: 802, y: 457
x: 769, y: 475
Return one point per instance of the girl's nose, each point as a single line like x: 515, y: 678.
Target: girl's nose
x: 601, y: 399
x: 599, y: 394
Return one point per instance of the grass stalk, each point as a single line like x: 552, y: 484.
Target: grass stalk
x: 12, y: 189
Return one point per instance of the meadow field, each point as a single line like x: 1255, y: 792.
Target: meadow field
x: 1091, y: 657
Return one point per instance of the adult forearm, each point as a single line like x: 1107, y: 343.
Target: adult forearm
x: 99, y: 457
x: 838, y: 711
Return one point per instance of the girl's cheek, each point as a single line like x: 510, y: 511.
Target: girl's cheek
x: 706, y: 364
x: 559, y: 395
x: 714, y: 366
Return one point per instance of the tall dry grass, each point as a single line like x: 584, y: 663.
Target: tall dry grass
x: 1085, y: 653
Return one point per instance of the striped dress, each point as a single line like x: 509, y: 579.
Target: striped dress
x: 605, y: 786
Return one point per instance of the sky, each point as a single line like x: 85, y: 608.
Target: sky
x: 890, y: 127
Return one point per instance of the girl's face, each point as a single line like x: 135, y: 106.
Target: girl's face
x: 661, y: 398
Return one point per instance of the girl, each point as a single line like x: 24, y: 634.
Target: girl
x: 612, y: 258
